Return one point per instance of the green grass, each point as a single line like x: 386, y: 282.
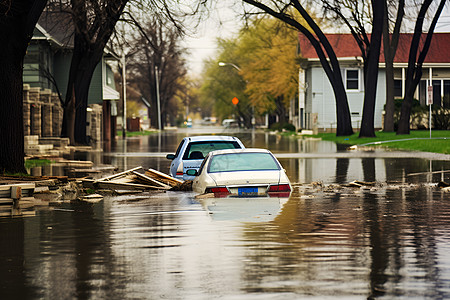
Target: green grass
x: 137, y: 133
x: 420, y: 142
x: 31, y: 163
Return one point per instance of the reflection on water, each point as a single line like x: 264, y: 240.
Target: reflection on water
x: 390, y: 241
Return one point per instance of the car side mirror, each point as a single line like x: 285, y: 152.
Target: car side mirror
x: 192, y: 172
x: 170, y: 156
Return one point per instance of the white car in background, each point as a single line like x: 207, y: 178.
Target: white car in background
x: 241, y: 172
x: 192, y: 150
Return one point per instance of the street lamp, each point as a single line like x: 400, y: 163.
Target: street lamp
x: 223, y: 64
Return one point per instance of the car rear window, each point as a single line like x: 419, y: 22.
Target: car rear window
x: 199, y: 150
x: 179, y: 148
x: 242, y: 162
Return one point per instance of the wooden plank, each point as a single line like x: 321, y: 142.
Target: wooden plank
x: 6, y: 201
x: 163, y: 177
x: 93, y: 198
x: 423, y: 173
x: 124, y: 186
x: 145, y: 179
x: 27, y: 189
x: 118, y: 174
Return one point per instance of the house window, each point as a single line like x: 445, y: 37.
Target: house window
x: 446, y: 99
x: 352, y: 78
x: 397, y: 88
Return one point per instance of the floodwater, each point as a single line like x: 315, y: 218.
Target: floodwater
x: 388, y: 241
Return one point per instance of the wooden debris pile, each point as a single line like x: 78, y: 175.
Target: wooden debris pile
x: 133, y: 180
x: 444, y: 186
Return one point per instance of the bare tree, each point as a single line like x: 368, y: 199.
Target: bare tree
x: 415, y: 61
x: 17, y: 20
x: 158, y: 60
x: 93, y: 23
x: 327, y: 56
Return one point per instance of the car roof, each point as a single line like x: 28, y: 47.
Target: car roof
x: 211, y: 138
x: 246, y: 150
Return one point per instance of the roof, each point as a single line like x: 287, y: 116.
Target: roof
x: 234, y: 151
x: 200, y: 138
x: 56, y: 26
x: 345, y: 45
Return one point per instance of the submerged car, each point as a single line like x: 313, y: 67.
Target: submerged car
x: 241, y: 172
x: 192, y: 150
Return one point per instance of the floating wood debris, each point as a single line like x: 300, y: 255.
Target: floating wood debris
x: 159, y: 176
x: 93, y: 198
x: 444, y: 186
x: 357, y: 183
x: 133, y: 180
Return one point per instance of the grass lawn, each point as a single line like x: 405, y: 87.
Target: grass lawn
x: 137, y: 133
x: 418, y: 140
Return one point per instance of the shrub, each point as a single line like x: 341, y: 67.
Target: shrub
x: 280, y: 126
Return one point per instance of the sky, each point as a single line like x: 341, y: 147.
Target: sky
x: 225, y: 20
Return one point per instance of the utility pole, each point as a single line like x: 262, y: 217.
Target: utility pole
x: 124, y: 97
x: 157, y: 97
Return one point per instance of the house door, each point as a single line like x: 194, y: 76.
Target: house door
x: 437, y: 92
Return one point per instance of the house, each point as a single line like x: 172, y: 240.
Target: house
x: 46, y: 68
x: 317, y: 107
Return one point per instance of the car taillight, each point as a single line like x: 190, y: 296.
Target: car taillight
x: 218, y: 191
x: 279, y: 188
x: 180, y: 173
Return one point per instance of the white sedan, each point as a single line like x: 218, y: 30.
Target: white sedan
x: 242, y: 172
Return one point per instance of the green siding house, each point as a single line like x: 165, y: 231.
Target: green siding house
x: 47, y: 64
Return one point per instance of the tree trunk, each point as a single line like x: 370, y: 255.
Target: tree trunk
x: 280, y: 110
x: 18, y: 20
x: 390, y: 48
x: 390, y: 107
x: 80, y: 74
x: 388, y: 124
x: 343, y: 118
x: 68, y: 125
x: 371, y: 74
x: 11, y: 112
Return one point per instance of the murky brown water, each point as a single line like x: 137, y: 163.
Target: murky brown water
x: 390, y: 241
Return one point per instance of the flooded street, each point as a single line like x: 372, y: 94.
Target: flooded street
x: 327, y: 240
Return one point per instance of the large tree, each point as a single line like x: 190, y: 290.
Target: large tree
x: 93, y: 24
x: 270, y: 67
x: 282, y: 11
x: 17, y: 22
x: 417, y: 54
x: 356, y: 15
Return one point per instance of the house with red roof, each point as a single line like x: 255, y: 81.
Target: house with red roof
x: 317, y: 108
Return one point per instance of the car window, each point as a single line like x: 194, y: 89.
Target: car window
x: 179, y: 148
x: 203, y: 165
x: 199, y: 150
x: 242, y: 162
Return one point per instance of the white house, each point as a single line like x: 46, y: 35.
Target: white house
x: 317, y: 108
